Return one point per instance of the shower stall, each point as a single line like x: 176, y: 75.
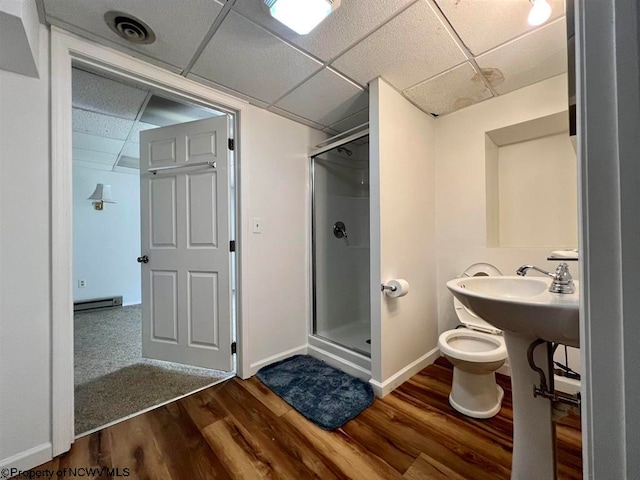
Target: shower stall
x: 340, y: 252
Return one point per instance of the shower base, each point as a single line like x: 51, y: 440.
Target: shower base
x: 351, y: 335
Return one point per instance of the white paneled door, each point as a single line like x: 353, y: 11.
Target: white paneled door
x: 185, y: 256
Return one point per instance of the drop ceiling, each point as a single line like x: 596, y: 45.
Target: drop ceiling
x: 109, y: 115
x: 443, y: 55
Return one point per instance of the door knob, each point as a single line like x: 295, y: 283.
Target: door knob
x: 143, y: 259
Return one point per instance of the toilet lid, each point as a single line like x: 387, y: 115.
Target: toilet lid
x: 466, y: 316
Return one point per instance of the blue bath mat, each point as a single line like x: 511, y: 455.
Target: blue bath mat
x: 323, y: 394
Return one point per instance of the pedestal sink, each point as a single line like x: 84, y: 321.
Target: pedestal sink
x: 524, y: 309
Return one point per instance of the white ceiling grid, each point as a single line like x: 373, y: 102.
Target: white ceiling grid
x: 246, y: 57
x: 442, y: 55
x: 108, y: 118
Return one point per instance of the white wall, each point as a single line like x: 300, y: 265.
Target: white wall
x: 461, y: 213
x: 275, y: 271
x: 106, y: 242
x: 25, y: 365
x: 19, y: 29
x: 538, y: 193
x: 404, y: 330
x: 461, y: 191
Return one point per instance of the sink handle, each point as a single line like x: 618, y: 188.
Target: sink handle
x: 562, y: 281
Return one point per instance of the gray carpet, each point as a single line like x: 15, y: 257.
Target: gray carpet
x: 112, y: 380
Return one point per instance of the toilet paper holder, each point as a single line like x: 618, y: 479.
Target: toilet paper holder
x: 395, y: 288
x: 391, y: 288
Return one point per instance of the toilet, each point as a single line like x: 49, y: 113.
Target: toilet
x: 476, y: 350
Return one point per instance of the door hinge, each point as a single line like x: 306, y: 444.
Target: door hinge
x: 234, y: 348
x: 232, y: 246
x: 232, y: 144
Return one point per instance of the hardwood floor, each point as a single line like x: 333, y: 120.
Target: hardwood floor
x: 240, y: 429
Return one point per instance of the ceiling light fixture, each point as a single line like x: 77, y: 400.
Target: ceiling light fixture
x: 301, y: 16
x: 540, y: 12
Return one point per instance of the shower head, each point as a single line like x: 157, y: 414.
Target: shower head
x: 345, y: 150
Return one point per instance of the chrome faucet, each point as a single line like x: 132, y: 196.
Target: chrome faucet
x: 562, y: 279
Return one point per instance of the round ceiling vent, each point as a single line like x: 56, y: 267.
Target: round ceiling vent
x: 130, y: 28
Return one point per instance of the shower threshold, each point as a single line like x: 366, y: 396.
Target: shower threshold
x: 355, y: 336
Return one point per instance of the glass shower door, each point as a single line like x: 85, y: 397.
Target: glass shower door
x: 341, y: 300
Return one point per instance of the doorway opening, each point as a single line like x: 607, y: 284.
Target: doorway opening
x: 113, y: 379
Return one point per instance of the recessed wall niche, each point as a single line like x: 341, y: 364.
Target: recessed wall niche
x: 531, y: 185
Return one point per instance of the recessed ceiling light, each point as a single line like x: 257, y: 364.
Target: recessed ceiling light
x: 301, y: 16
x: 540, y: 12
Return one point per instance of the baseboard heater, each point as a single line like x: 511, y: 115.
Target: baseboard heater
x: 97, y: 303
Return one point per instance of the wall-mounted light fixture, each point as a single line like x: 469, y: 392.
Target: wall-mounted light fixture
x: 102, y: 195
x: 301, y: 16
x: 540, y: 12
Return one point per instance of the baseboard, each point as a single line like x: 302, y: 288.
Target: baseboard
x: 340, y: 363
x: 27, y: 460
x: 254, y: 367
x: 397, y: 379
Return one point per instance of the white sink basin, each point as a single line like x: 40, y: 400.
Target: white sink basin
x: 522, y: 305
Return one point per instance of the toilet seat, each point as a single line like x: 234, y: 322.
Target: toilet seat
x: 466, y: 316
x: 481, y: 269
x: 472, y: 346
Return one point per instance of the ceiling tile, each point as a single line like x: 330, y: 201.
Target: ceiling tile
x: 352, y: 21
x: 295, y: 118
x: 453, y: 90
x: 325, y: 98
x: 131, y: 149
x: 410, y: 48
x: 247, y: 58
x: 134, y: 136
x: 91, y: 165
x: 353, y: 121
x: 96, y: 143
x: 483, y: 25
x: 102, y: 95
x: 101, y: 125
x: 82, y: 155
x: 129, y: 162
x: 539, y: 55
x: 162, y: 112
x: 179, y: 28
x: 228, y: 91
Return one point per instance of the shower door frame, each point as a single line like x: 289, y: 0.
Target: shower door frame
x: 332, y: 351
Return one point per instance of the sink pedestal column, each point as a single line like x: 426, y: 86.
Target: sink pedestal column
x: 533, y: 429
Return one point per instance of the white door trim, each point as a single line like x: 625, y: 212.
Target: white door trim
x: 608, y: 100
x: 67, y: 48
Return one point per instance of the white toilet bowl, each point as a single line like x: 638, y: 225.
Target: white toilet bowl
x: 476, y: 352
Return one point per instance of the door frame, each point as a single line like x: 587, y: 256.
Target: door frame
x: 68, y: 49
